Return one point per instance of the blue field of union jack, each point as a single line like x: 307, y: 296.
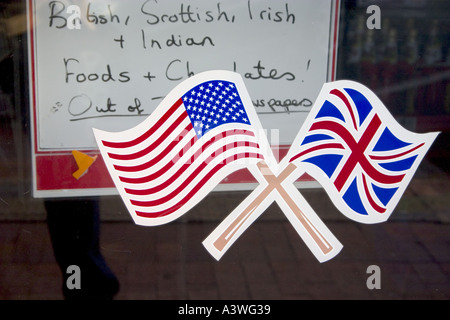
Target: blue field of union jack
x: 358, y: 152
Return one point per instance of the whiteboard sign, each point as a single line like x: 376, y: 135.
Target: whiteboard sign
x: 109, y: 63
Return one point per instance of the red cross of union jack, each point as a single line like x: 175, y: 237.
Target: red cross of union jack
x: 354, y: 147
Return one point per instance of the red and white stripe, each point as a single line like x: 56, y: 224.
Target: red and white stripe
x: 162, y: 169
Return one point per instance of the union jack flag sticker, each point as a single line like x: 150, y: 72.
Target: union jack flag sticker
x: 357, y: 151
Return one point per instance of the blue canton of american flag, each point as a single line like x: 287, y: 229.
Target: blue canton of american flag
x: 354, y: 147
x: 212, y: 104
x: 189, y: 144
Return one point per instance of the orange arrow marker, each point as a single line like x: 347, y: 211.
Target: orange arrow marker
x: 84, y: 161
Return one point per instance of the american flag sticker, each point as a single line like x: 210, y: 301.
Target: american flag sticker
x: 205, y: 129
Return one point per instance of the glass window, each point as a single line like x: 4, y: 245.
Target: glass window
x: 60, y: 244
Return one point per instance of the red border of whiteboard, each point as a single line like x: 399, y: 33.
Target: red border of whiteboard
x: 51, y: 168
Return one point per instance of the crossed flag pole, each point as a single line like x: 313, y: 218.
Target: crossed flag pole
x: 349, y: 143
x: 319, y: 239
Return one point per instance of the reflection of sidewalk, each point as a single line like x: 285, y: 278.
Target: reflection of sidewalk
x: 269, y: 261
